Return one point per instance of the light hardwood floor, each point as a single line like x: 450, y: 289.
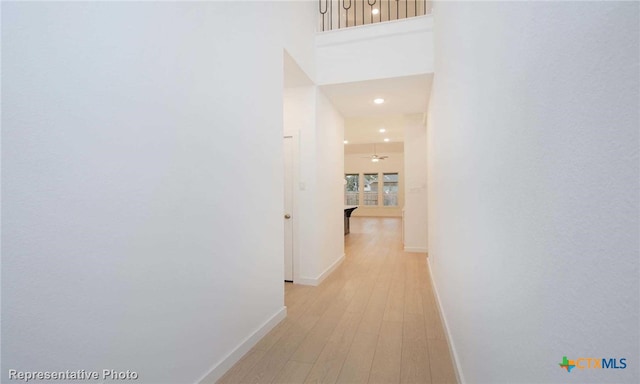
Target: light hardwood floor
x: 374, y: 320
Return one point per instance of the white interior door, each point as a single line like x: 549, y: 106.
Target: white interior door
x: 288, y: 208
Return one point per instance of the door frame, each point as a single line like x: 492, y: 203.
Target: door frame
x: 295, y: 180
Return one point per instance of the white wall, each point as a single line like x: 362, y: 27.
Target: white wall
x: 300, y: 122
x: 533, y: 187
x: 391, y: 49
x: 297, y: 19
x: 415, y: 176
x: 318, y: 131
x: 357, y: 163
x: 142, y: 183
x: 329, y: 186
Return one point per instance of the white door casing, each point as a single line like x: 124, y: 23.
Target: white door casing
x: 288, y: 208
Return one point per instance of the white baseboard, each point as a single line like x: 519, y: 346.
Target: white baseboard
x: 443, y: 318
x: 218, y: 370
x: 416, y: 249
x: 317, y: 280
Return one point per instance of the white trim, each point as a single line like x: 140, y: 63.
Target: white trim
x: 220, y: 368
x: 373, y: 31
x: 295, y: 136
x: 452, y: 349
x: 416, y: 249
x: 316, y: 281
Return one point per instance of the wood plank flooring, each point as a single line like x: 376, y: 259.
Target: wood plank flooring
x: 374, y: 320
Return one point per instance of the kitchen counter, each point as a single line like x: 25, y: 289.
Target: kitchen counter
x: 348, y: 209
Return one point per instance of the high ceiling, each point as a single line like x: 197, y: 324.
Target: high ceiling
x: 402, y: 96
x: 381, y: 149
x: 367, y: 129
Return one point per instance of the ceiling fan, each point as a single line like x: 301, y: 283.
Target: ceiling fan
x: 375, y: 158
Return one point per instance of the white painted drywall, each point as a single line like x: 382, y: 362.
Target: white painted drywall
x: 376, y: 51
x: 142, y: 183
x: 318, y: 129
x: 297, y: 19
x: 329, y: 185
x: 415, y: 176
x: 299, y: 121
x: 361, y: 163
x: 533, y: 187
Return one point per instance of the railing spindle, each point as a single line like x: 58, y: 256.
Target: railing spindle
x: 371, y: 10
x: 330, y: 15
x: 325, y: 11
x: 347, y: 10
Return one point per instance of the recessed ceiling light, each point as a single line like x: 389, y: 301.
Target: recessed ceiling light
x: 375, y: 11
x: 346, y: 141
x: 382, y: 130
x: 378, y: 101
x: 386, y: 139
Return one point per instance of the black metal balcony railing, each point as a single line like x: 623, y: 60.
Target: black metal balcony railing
x: 336, y: 14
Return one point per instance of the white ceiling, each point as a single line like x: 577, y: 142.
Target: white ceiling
x: 368, y: 149
x: 367, y: 129
x: 403, y: 96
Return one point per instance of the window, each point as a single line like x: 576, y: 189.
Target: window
x: 378, y: 189
x: 390, y: 189
x: 351, y: 189
x: 370, y: 189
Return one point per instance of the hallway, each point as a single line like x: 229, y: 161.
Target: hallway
x: 373, y: 320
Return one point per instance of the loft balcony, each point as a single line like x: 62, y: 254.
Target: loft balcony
x: 364, y: 48
x: 341, y: 14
